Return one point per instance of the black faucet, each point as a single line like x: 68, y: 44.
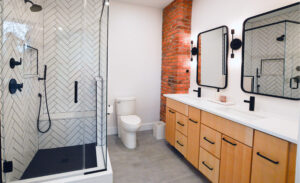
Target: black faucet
x: 198, y: 91
x: 251, y: 103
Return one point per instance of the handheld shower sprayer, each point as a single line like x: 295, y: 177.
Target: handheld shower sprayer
x: 40, y: 95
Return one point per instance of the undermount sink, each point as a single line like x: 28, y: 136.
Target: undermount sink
x: 244, y: 114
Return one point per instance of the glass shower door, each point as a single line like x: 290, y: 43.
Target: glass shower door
x: 70, y: 39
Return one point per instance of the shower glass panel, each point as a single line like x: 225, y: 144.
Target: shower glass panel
x: 61, y: 52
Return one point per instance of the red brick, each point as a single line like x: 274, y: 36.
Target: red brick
x: 175, y: 50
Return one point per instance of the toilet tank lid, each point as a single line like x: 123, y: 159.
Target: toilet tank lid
x: 119, y: 99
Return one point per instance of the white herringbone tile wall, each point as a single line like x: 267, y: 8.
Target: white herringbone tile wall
x: 71, y: 52
x: 19, y: 111
x: 69, y: 132
x: 66, y: 33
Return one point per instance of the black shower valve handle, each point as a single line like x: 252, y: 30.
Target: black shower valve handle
x: 14, y: 86
x: 13, y: 62
x: 20, y: 86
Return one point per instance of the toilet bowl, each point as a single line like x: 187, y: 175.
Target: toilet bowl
x: 129, y: 126
x: 128, y: 121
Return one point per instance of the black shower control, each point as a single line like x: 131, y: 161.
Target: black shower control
x: 13, y: 62
x: 14, y: 86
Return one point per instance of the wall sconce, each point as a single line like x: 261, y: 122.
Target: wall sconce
x: 194, y: 50
x: 235, y: 43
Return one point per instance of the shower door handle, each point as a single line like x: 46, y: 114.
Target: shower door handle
x: 76, y: 92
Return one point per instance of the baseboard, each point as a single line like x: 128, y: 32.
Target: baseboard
x: 145, y: 126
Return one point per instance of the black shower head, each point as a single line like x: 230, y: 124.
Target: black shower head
x: 34, y: 7
x: 281, y: 38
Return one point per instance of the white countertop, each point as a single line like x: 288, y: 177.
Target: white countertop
x: 273, y: 124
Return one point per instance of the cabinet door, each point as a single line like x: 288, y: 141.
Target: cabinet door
x: 170, y: 126
x: 235, y: 161
x: 193, y: 136
x: 270, y: 158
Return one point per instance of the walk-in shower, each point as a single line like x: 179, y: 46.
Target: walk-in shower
x: 53, y: 127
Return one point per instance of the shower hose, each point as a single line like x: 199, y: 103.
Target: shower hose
x: 38, y: 120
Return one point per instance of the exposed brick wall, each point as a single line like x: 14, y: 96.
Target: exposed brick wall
x: 175, y: 50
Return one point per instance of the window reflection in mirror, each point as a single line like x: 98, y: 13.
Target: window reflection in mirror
x: 271, y: 53
x: 212, y: 58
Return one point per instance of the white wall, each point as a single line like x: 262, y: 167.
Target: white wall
x: 208, y: 14
x: 134, y: 65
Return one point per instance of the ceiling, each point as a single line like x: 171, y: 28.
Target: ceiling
x: 151, y: 3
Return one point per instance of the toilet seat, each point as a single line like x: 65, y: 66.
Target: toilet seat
x: 131, y: 119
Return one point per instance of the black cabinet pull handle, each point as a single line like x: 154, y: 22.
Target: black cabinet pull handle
x: 203, y: 162
x: 229, y: 142
x: 208, y: 140
x: 275, y: 162
x: 76, y: 92
x: 193, y: 121
x: 171, y: 111
x: 179, y: 143
x: 180, y: 123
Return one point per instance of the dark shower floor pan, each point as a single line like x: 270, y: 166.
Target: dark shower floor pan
x: 61, y: 160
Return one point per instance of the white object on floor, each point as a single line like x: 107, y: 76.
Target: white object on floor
x: 219, y: 102
x: 159, y: 130
x: 128, y: 122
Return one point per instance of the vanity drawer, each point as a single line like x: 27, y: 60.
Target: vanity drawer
x: 270, y: 159
x: 178, y: 106
x: 234, y: 130
x: 194, y: 114
x: 209, y: 165
x: 181, y: 123
x: 210, y: 140
x: 181, y: 143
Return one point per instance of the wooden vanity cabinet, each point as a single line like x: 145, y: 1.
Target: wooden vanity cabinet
x: 170, y: 126
x: 228, y: 152
x: 193, y: 136
x: 270, y: 159
x: 235, y: 161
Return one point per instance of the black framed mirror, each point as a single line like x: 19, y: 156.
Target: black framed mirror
x: 271, y: 53
x: 212, y: 58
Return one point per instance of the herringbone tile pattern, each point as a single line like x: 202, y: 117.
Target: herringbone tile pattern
x: 261, y: 44
x: 292, y: 58
x: 69, y: 132
x: 72, y: 53
x: 19, y: 135
x: 66, y: 33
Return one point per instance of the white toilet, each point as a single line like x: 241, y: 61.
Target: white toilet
x: 128, y: 121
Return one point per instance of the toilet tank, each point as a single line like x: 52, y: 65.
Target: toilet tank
x: 125, y: 106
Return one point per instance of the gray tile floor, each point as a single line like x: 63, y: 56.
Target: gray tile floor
x: 152, y: 161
